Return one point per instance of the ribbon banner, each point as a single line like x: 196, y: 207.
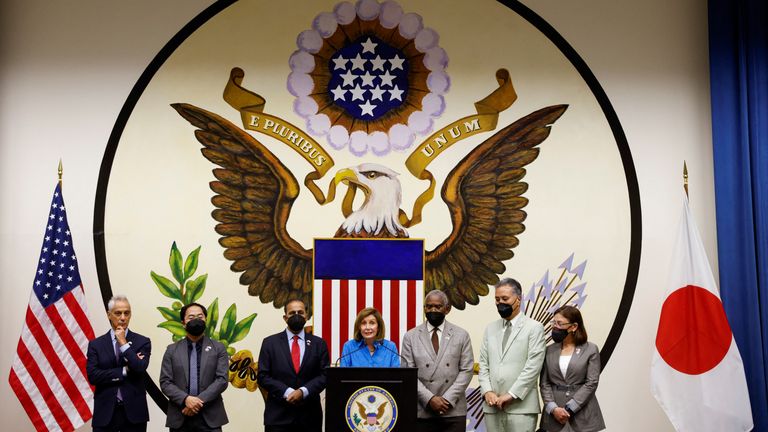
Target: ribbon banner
x: 251, y: 108
x: 485, y: 120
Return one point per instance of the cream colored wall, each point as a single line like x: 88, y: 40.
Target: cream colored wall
x: 66, y: 69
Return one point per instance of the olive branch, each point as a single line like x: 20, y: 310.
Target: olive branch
x: 191, y: 290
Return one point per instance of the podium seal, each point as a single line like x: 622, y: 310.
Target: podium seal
x: 371, y: 409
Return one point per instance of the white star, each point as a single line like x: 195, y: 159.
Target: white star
x: 367, y: 79
x: 357, y: 93
x: 349, y: 79
x: 58, y: 230
x: 61, y: 277
x: 378, y: 63
x: 340, y: 63
x: 367, y: 108
x: 55, y: 251
x: 47, y: 238
x: 66, y: 242
x: 386, y: 79
x: 395, y: 93
x: 69, y: 279
x: 47, y: 284
x: 338, y: 93
x: 52, y: 263
x: 37, y: 283
x: 369, y: 46
x: 50, y: 273
x: 40, y: 271
x: 56, y: 194
x: 61, y: 207
x: 74, y: 258
x: 45, y: 296
x: 58, y: 287
x: 376, y: 93
x: 396, y: 62
x: 54, y: 205
x: 57, y: 241
x: 61, y: 265
x: 52, y: 217
x: 50, y: 227
x: 61, y: 218
x: 42, y: 260
x: 67, y: 232
x: 71, y: 268
x: 63, y: 254
x: 358, y: 63
x: 45, y: 249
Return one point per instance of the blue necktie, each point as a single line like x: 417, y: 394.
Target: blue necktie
x: 193, y: 371
x: 117, y: 357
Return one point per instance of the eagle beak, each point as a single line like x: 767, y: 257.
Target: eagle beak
x: 348, y: 176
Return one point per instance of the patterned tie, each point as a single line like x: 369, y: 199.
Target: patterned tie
x: 435, y: 340
x: 117, y: 357
x: 507, y: 332
x: 296, y: 353
x: 193, y: 371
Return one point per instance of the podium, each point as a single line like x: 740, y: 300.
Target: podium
x: 363, y: 399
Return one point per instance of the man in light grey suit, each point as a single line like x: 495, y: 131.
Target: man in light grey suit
x: 511, y: 356
x: 193, y: 375
x: 443, y: 353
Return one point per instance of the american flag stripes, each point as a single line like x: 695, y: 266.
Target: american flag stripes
x: 48, y: 371
x: 352, y: 274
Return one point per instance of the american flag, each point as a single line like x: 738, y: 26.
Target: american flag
x: 352, y: 274
x: 48, y: 372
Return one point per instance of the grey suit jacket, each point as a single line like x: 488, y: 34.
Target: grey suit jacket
x: 174, y: 377
x: 513, y: 368
x: 576, y: 389
x: 446, y: 373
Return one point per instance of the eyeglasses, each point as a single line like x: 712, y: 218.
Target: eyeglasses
x: 559, y: 324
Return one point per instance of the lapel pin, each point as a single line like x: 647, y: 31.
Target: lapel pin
x: 208, y: 348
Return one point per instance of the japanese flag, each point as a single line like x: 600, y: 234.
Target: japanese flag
x: 697, y: 375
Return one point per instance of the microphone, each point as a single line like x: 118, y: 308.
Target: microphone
x: 403, y: 360
x: 336, y: 363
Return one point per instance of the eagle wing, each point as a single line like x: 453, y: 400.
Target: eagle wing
x: 254, y: 193
x: 382, y: 407
x: 484, y: 194
x: 361, y: 410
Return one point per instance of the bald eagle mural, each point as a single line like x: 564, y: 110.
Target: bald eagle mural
x: 254, y: 193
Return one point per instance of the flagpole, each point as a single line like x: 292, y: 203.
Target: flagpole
x: 61, y: 171
x: 685, y: 178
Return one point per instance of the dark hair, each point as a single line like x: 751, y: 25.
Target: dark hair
x: 364, y: 314
x: 573, y: 315
x: 293, y: 300
x: 515, y: 285
x: 184, y: 308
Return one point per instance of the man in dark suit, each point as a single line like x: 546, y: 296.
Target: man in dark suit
x: 193, y: 375
x: 443, y: 354
x: 116, y: 366
x: 292, y: 370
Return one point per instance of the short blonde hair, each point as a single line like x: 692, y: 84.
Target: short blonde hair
x: 365, y: 313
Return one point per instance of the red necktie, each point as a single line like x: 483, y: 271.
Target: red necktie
x: 296, y: 353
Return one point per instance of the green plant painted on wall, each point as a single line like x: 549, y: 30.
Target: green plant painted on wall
x: 190, y: 290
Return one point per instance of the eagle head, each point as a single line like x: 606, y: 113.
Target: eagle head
x: 378, y: 216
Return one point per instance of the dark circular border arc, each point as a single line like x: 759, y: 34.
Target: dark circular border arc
x: 538, y: 22
x: 109, y: 157
x: 636, y: 229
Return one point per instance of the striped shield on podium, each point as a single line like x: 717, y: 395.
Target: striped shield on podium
x: 352, y: 274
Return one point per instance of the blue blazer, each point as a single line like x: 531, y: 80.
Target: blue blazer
x: 105, y: 373
x: 276, y: 374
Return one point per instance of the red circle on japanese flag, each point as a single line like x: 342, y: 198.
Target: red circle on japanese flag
x: 694, y: 334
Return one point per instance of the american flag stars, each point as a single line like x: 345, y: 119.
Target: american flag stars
x: 366, y: 72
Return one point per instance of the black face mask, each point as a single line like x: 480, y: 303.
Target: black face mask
x: 505, y: 310
x: 435, y: 318
x: 196, y: 327
x: 296, y: 323
x: 559, y: 335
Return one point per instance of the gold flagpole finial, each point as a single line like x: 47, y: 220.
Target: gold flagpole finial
x: 685, y: 178
x: 61, y: 171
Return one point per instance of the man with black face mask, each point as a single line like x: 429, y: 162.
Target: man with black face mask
x: 443, y: 353
x: 292, y: 370
x: 193, y: 375
x: 511, y: 357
